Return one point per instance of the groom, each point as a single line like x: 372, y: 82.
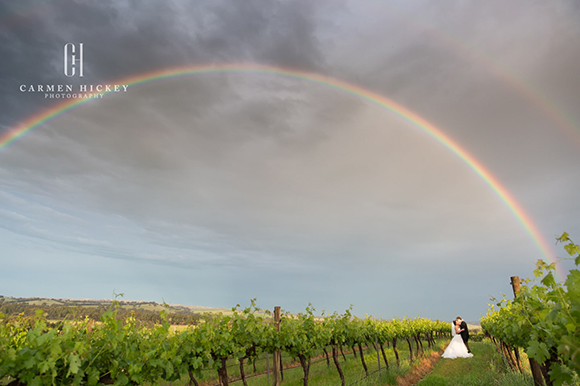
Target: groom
x: 463, y: 331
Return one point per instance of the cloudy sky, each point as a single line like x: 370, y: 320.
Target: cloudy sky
x: 218, y: 187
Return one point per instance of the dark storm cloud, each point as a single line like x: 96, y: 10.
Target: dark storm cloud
x: 124, y: 38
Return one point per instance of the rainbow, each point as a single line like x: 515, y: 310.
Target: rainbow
x: 527, y: 91
x: 407, y: 115
x: 517, y: 83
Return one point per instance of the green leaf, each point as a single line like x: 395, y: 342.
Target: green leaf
x: 538, y: 351
x: 560, y: 374
x: 74, y: 364
x: 36, y: 381
x: 572, y: 249
x: 549, y: 280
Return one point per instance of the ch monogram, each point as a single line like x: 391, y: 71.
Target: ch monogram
x: 72, y: 61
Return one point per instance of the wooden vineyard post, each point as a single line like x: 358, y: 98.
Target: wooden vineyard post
x: 516, y: 285
x: 378, y: 357
x: 276, y: 359
x: 534, y: 365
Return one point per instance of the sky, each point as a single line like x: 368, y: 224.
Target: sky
x: 403, y: 157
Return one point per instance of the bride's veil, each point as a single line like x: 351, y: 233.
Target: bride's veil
x: 453, y: 333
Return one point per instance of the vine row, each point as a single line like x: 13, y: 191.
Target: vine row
x: 543, y: 319
x: 127, y: 352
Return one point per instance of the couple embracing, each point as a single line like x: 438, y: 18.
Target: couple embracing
x: 458, y: 347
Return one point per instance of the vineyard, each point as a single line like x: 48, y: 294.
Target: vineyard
x: 544, y: 320
x: 126, y: 352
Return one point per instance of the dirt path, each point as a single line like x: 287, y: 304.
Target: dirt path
x: 421, y: 369
x: 473, y: 371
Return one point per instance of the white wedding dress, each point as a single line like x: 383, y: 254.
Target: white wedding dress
x: 456, y: 348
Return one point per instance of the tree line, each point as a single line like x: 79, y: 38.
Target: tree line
x: 58, y: 312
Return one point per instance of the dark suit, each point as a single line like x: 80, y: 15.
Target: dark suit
x: 464, y: 334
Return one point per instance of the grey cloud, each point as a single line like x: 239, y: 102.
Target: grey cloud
x: 126, y: 38
x: 280, y: 190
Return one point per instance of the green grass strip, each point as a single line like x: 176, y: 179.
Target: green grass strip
x: 486, y: 368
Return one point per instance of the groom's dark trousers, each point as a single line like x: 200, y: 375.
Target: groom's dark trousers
x: 464, y: 334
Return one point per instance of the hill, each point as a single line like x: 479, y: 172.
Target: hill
x: 58, y: 309
x: 131, y: 304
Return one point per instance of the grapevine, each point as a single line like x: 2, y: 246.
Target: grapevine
x: 543, y: 319
x: 125, y: 351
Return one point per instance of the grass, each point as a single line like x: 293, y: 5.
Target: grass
x: 321, y: 374
x: 486, y: 368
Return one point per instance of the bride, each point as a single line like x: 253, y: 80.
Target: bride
x: 456, y: 348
